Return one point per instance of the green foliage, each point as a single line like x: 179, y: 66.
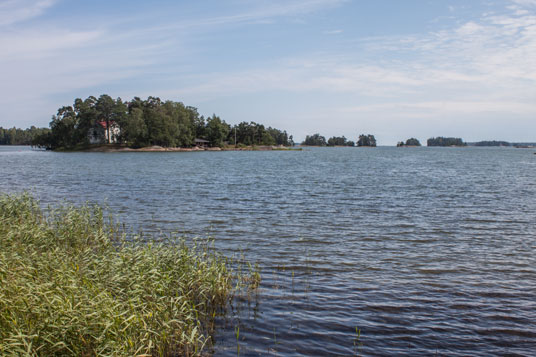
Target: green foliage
x: 15, y: 136
x: 71, y: 125
x: 442, y: 141
x: 409, y: 142
x: 257, y: 134
x: 149, y: 122
x: 87, y: 116
x: 339, y: 141
x: 366, y: 140
x: 217, y: 131
x: 267, y: 139
x: 134, y: 130
x: 71, y: 284
x: 492, y: 143
x: 315, y: 140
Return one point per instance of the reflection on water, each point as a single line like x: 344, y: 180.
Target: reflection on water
x: 424, y: 250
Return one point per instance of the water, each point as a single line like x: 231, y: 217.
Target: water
x: 424, y: 250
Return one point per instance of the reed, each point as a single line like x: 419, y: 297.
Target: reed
x: 72, y: 284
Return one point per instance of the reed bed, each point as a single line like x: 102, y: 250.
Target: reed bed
x: 72, y: 284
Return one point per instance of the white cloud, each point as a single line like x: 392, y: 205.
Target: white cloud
x: 333, y: 32
x: 432, y: 109
x: 490, y: 59
x: 257, y: 12
x: 525, y: 2
x: 42, y: 43
x: 493, y: 57
x: 13, y: 11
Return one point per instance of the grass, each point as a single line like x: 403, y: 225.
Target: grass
x: 72, y: 284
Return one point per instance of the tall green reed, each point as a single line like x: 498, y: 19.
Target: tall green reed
x: 71, y: 283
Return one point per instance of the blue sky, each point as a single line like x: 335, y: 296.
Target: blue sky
x: 395, y: 69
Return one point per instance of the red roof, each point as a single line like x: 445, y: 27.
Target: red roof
x: 103, y: 123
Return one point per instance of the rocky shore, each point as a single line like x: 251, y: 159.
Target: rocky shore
x: 155, y: 148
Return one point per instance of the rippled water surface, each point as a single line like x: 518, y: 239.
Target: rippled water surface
x: 424, y: 250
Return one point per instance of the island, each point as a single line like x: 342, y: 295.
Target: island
x: 490, y: 143
x: 314, y: 140
x: 412, y: 142
x: 339, y: 141
x: 442, y: 141
x: 107, y: 124
x: 366, y: 140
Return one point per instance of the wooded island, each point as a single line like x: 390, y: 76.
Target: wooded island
x: 145, y: 123
x: 442, y: 141
x: 319, y: 140
x: 409, y: 142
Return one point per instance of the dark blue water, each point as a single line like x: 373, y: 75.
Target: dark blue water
x: 424, y: 250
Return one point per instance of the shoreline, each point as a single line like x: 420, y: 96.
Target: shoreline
x: 156, y: 148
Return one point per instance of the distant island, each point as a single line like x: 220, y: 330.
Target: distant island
x: 366, y: 140
x: 524, y: 145
x: 150, y: 123
x: 319, y: 140
x: 410, y: 142
x: 340, y: 141
x: 442, y: 141
x: 314, y: 140
x: 502, y: 144
x: 490, y: 143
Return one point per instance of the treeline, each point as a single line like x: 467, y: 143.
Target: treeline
x: 442, y: 141
x: 16, y: 136
x: 315, y: 140
x: 491, y: 143
x: 409, y: 142
x: 340, y: 141
x: 139, y: 123
x: 319, y: 140
x: 366, y: 140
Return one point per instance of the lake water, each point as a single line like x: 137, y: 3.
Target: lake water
x: 424, y: 250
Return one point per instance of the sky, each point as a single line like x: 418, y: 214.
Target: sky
x: 394, y: 69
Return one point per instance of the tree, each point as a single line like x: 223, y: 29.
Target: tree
x: 442, y: 141
x: 105, y: 112
x: 337, y: 141
x: 184, y: 119
x: 63, y: 127
x: 162, y: 130
x: 366, y: 140
x: 217, y: 131
x: 16, y: 136
x: 409, y: 142
x: 119, y: 116
x: 86, y: 113
x: 315, y: 140
x: 134, y: 130
x: 492, y: 143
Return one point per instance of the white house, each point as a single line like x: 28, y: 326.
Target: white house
x: 101, y: 133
